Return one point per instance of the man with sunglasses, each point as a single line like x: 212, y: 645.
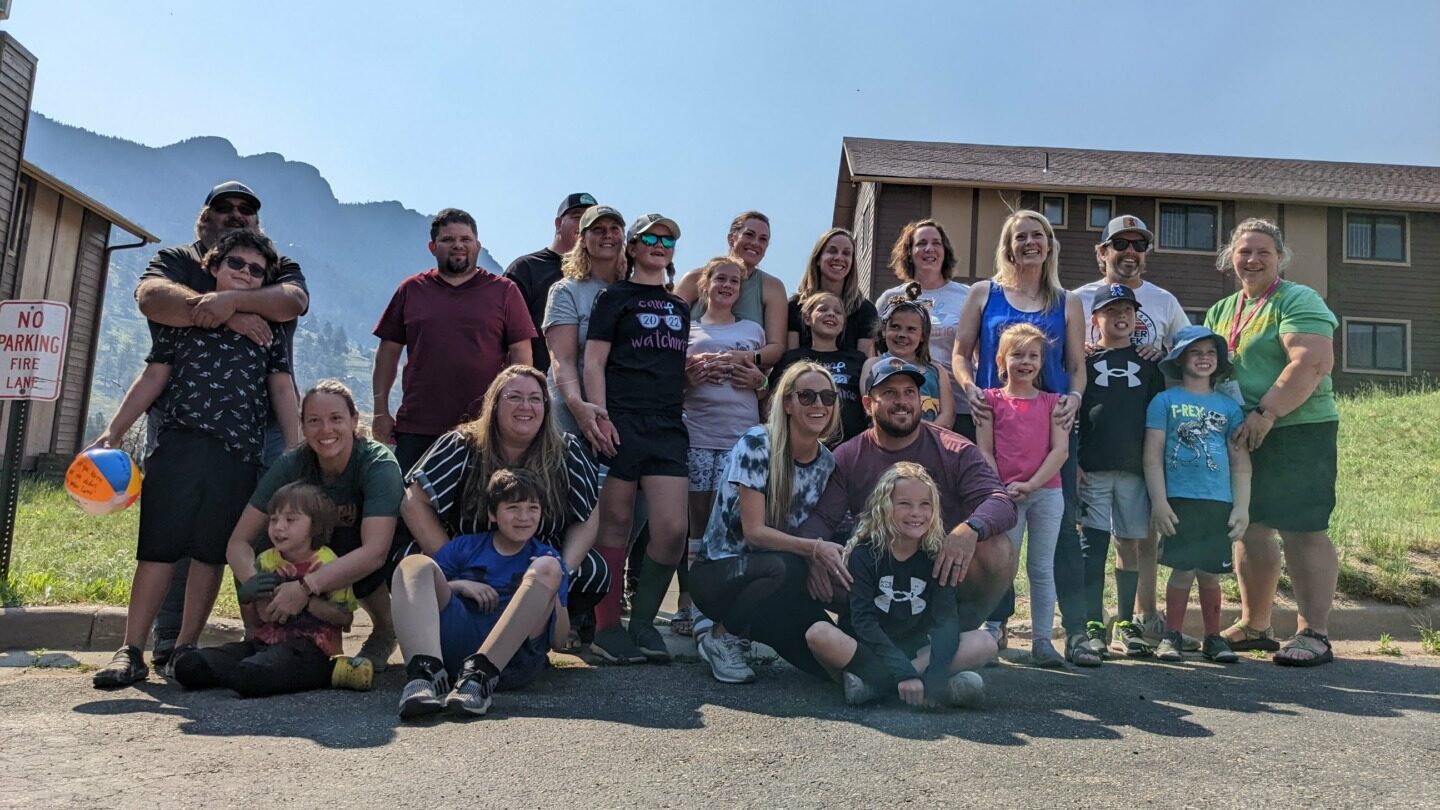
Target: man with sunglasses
x: 535, y: 273
x: 176, y: 291
x: 1124, y: 245
x: 974, y: 507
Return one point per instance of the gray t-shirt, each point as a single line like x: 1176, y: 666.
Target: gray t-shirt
x: 749, y: 466
x: 717, y: 413
x: 944, y: 304
x: 570, y: 302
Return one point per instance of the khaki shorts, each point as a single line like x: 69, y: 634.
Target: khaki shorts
x: 1117, y: 502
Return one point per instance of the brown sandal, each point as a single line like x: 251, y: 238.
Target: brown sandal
x: 1250, y: 638
x: 1317, y: 644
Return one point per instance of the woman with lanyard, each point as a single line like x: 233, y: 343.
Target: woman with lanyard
x: 1282, y: 350
x: 762, y: 296
x: 923, y: 257
x: 1026, y: 289
x: 831, y: 269
x: 361, y: 477
x: 515, y: 429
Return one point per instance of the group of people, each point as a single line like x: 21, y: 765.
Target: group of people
x: 847, y: 481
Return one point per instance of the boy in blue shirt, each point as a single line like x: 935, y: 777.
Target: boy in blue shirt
x: 484, y: 611
x: 1199, y: 483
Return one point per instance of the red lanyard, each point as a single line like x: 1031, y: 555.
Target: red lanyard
x: 1237, y: 327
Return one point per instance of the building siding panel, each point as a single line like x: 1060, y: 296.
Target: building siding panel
x: 897, y: 207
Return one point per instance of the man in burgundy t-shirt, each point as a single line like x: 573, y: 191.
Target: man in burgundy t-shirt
x: 459, y: 326
x: 973, y: 505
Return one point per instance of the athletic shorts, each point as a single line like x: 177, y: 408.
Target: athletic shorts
x: 707, y: 468
x: 1292, y: 484
x: 650, y: 444
x: 1202, y: 537
x: 194, y: 493
x: 463, y: 629
x: 1116, y: 502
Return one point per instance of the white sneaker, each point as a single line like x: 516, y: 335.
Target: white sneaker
x: 727, y: 663
x: 857, y: 692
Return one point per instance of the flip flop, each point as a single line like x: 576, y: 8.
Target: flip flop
x: 1318, y: 645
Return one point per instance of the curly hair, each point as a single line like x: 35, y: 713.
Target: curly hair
x: 901, y: 261
x: 876, y: 526
x: 254, y: 240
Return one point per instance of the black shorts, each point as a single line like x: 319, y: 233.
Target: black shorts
x: 650, y: 444
x: 1292, y: 486
x: 194, y: 493
x: 1202, y: 537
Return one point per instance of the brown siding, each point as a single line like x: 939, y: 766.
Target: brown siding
x: 17, y: 79
x: 897, y: 207
x: 864, y: 230
x: 85, y: 300
x: 1386, y: 291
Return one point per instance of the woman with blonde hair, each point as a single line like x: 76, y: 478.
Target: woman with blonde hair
x: 831, y: 268
x: 762, y: 296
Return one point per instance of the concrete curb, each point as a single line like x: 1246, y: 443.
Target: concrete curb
x: 92, y: 627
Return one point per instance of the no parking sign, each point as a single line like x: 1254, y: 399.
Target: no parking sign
x: 32, y: 348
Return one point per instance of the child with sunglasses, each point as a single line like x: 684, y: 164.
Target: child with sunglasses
x: 216, y: 390
x: 824, y: 316
x: 905, y: 334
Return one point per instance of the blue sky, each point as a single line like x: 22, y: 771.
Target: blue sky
x: 703, y: 110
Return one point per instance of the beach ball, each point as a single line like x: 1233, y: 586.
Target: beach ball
x: 103, y: 481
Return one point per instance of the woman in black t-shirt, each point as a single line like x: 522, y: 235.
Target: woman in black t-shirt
x: 831, y: 269
x: 635, y: 369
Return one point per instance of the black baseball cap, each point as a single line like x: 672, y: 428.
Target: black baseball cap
x: 1111, y: 293
x: 232, y: 188
x: 579, y: 199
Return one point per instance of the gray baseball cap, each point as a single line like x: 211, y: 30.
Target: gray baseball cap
x: 1124, y: 223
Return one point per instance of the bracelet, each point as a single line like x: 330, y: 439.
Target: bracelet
x: 305, y: 586
x: 1075, y: 394
x: 764, y: 382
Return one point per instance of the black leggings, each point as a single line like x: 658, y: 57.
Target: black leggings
x: 761, y: 596
x: 256, y: 670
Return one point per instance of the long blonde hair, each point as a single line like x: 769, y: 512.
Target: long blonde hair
x: 544, y: 458
x: 850, y: 295
x: 777, y: 428
x: 876, y: 526
x: 578, y: 265
x: 1007, y: 271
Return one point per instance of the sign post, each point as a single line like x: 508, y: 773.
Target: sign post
x: 32, y: 355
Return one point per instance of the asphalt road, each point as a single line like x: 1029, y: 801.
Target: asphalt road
x: 1360, y: 733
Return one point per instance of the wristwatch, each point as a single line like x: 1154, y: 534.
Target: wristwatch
x: 1260, y: 409
x: 977, y: 527
x: 756, y: 357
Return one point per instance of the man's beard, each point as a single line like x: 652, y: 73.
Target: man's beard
x: 456, y: 266
x: 892, y: 429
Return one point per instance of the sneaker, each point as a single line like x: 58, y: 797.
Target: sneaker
x: 1079, y: 653
x: 1095, y: 634
x: 1171, y: 647
x: 1042, y: 654
x: 125, y: 668
x: 167, y: 669
x: 161, y: 652
x: 378, y: 649
x: 354, y: 673
x: 1217, y: 649
x: 613, y: 646
x: 725, y: 657
x: 1189, y: 643
x: 1153, y: 627
x: 421, y: 696
x: 857, y: 692
x: 967, y: 690
x: 650, y: 643
x: 1130, y: 641
x: 471, y: 694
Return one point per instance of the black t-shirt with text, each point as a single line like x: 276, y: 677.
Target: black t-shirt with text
x: 1119, y: 384
x: 648, y: 329
x: 844, y: 366
x: 535, y: 273
x: 859, y: 325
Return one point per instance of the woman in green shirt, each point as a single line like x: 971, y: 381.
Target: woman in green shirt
x: 1280, y: 335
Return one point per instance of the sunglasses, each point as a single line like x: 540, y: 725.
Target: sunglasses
x: 808, y: 397
x: 649, y: 240
x: 225, y: 207
x: 1120, y: 243
x: 237, y: 263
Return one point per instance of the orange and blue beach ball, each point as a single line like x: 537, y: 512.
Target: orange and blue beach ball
x: 103, y: 480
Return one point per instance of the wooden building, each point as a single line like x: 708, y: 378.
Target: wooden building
x: 1366, y: 236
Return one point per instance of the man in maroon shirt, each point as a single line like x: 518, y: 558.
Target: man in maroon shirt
x: 973, y: 504
x: 459, y: 326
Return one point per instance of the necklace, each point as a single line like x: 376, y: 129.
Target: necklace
x: 1237, y: 326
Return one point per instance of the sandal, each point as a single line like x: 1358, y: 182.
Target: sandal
x: 1317, y: 644
x: 1078, y: 652
x: 682, y: 623
x: 1250, y: 638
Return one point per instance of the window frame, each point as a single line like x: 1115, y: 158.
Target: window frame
x: 1345, y: 257
x: 1090, y: 212
x: 1409, y: 370
x: 1064, y: 224
x: 1219, y: 226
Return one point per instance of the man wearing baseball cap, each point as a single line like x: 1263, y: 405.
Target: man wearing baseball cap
x: 535, y: 273
x: 1124, y: 245
x: 176, y: 291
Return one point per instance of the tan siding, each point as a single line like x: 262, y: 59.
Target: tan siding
x: 84, y: 324
x: 1245, y: 209
x: 954, y: 208
x: 897, y: 207
x: 995, y: 206
x: 1305, y: 228
x: 35, y: 267
x: 17, y: 77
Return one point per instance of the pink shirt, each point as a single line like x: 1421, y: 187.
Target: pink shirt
x: 1022, y: 434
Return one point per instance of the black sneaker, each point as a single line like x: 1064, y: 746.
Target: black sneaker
x: 161, y: 652
x: 167, y: 669
x: 424, y: 691
x: 127, y: 667
x: 1216, y: 648
x: 650, y: 642
x: 614, y: 646
x: 472, y: 692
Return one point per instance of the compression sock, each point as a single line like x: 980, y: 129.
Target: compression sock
x: 607, y: 610
x: 868, y: 667
x: 1127, y: 584
x: 1210, y: 609
x: 650, y: 592
x: 1176, y: 602
x: 1097, y: 550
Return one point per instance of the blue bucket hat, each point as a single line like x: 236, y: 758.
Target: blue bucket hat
x: 1187, y: 335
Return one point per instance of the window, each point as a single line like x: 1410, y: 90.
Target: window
x: 1376, y: 237
x: 1377, y: 347
x: 1053, y: 207
x: 1189, y: 226
x: 1196, y: 316
x: 1102, y: 210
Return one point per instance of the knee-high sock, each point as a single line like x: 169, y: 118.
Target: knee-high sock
x: 1097, y: 549
x: 654, y: 582
x: 1176, y: 602
x: 1210, y: 609
x: 607, y: 610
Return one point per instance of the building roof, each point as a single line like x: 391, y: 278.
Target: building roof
x: 86, y: 200
x: 1143, y: 173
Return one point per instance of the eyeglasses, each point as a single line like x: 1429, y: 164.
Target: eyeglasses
x: 808, y: 397
x: 534, y: 400
x: 237, y: 263
x: 649, y: 240
x: 1120, y: 243
x: 225, y: 207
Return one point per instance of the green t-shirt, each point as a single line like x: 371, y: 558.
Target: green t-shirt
x: 370, y: 486
x: 1260, y: 356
